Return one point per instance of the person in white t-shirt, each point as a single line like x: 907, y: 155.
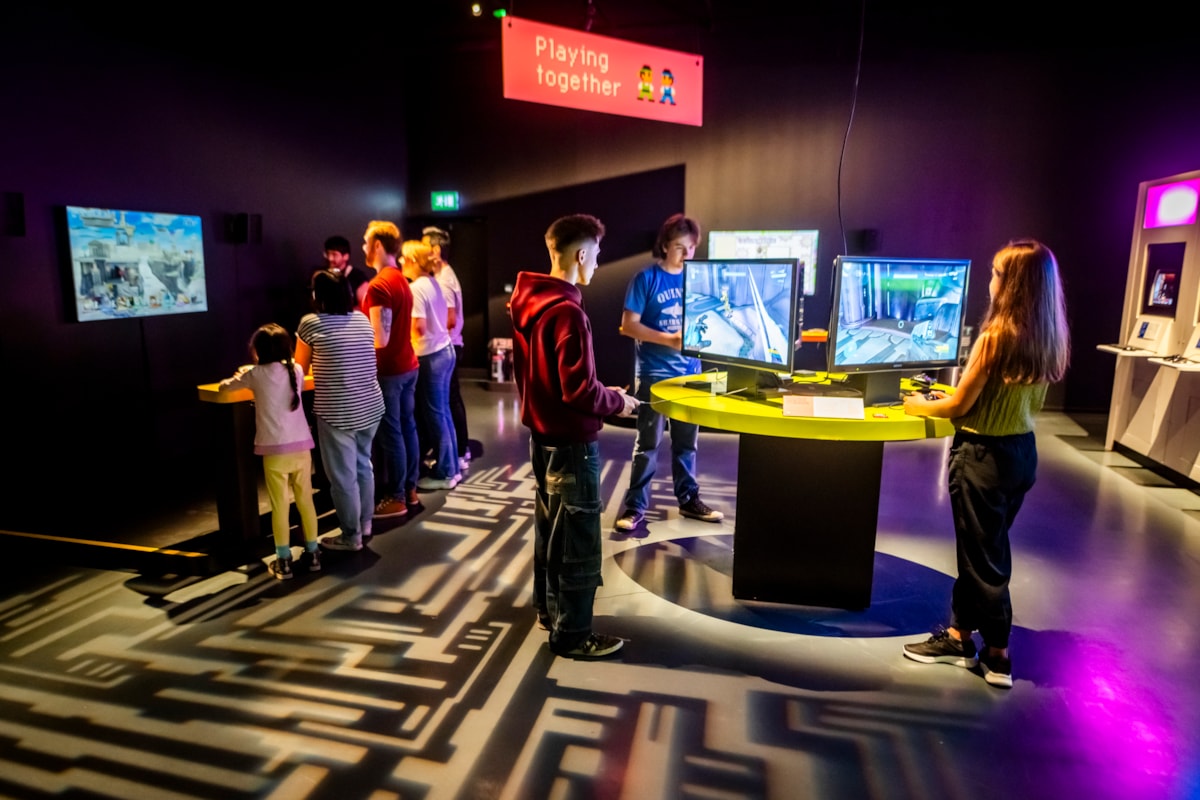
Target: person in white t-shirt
x: 431, y: 323
x: 447, y: 278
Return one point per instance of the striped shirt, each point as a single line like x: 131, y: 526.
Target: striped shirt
x: 345, y: 390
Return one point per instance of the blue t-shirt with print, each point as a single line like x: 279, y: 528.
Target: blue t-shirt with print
x: 657, y: 296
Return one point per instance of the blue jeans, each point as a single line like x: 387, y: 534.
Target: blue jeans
x: 433, y: 402
x: 645, y: 454
x: 398, y: 434
x: 347, y: 459
x: 566, y: 541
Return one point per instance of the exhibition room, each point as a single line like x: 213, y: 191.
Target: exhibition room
x: 861, y: 210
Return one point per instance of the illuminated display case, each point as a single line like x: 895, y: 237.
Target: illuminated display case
x: 1156, y: 385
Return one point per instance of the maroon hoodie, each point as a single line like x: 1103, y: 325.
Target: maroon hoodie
x: 561, y: 400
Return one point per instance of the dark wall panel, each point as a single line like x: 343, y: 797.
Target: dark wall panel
x: 109, y: 413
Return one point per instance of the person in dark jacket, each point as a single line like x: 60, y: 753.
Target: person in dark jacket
x: 563, y: 405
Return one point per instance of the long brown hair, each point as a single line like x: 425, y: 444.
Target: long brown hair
x: 1026, y: 339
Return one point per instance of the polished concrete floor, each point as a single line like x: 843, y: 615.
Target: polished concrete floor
x: 415, y: 669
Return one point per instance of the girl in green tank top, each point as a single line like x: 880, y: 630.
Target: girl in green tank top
x: 1022, y: 348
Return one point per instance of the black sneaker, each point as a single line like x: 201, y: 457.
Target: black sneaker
x: 629, y: 521
x: 997, y: 670
x: 696, y: 509
x: 310, y: 561
x: 596, y: 645
x: 281, y: 568
x: 942, y: 648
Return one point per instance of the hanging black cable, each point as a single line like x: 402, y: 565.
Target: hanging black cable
x: 862, y: 26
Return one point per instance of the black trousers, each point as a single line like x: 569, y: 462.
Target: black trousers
x: 458, y: 410
x: 989, y: 477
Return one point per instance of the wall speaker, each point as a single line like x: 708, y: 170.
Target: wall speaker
x: 864, y: 241
x: 13, y: 220
x: 237, y: 228
x: 242, y: 228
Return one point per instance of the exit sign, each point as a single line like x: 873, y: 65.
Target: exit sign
x: 443, y: 201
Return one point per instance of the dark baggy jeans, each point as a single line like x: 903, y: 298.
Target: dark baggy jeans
x: 566, y: 545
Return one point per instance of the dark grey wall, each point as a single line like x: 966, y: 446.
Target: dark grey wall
x: 968, y: 130
x: 971, y: 128
x: 99, y: 113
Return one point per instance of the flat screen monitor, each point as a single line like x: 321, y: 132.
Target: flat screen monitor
x: 800, y: 245
x: 742, y: 312
x: 135, y: 263
x: 896, y: 313
x: 1171, y: 204
x: 1164, y: 268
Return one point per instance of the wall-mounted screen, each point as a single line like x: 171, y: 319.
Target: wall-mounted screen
x: 1171, y: 204
x: 896, y: 313
x: 742, y: 311
x: 800, y: 245
x: 134, y: 263
x: 1164, y: 268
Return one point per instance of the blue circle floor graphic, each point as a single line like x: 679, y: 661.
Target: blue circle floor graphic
x: 697, y: 573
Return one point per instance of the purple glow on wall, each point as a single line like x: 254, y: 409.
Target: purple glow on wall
x: 1172, y: 204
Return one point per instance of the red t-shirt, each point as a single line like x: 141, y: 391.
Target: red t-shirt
x: 389, y: 289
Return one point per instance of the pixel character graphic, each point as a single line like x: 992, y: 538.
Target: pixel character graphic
x: 668, y: 87
x: 645, y: 87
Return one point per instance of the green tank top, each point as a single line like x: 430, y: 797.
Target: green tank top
x: 1003, y: 409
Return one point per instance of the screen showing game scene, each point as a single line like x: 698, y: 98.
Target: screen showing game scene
x: 135, y: 264
x: 893, y: 313
x: 1164, y: 266
x: 800, y: 245
x: 741, y: 311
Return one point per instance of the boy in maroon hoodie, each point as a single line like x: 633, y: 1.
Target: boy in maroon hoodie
x: 563, y: 405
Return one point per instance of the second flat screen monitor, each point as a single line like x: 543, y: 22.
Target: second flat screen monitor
x: 896, y: 313
x: 741, y: 311
x: 798, y: 244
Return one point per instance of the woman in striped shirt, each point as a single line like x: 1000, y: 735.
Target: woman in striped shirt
x: 339, y: 344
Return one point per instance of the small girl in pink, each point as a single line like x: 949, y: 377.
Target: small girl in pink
x: 283, y: 439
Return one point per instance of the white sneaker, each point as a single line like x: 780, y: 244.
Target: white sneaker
x: 428, y: 484
x: 342, y: 542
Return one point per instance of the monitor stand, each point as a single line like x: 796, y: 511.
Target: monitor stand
x: 748, y: 382
x: 878, y: 388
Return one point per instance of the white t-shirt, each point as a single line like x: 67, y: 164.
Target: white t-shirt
x: 429, y: 304
x: 452, y: 289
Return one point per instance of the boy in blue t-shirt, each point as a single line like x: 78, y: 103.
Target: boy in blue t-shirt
x: 653, y: 316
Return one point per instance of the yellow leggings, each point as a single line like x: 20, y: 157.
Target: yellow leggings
x: 295, y: 470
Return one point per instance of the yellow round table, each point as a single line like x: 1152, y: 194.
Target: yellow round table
x: 807, y: 491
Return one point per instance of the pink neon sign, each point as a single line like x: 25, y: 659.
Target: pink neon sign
x: 1172, y: 204
x: 570, y: 68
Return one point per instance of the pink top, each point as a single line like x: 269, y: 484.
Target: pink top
x: 278, y: 427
